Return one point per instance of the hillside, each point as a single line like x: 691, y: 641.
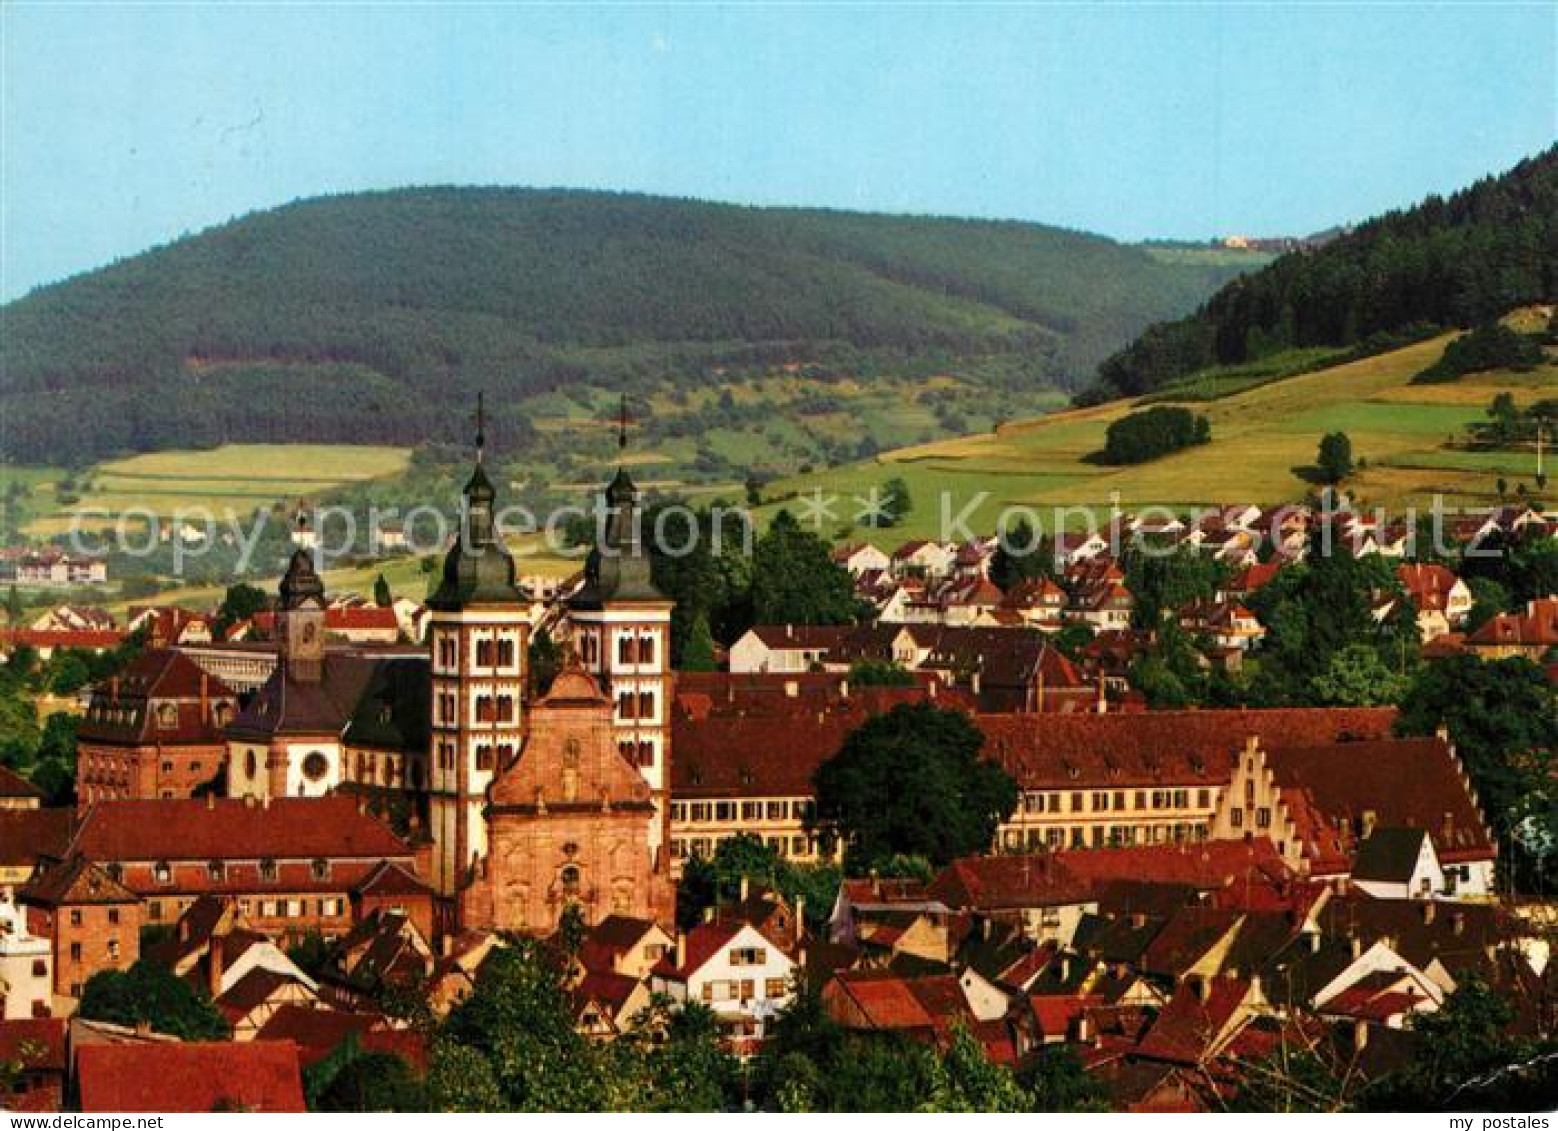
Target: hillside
x: 363, y: 318
x: 1413, y: 438
x: 1448, y: 262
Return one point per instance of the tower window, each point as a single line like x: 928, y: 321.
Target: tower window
x: 484, y: 653
x: 484, y: 757
x: 505, y: 653
x: 505, y: 708
x: 625, y: 705
x: 646, y: 753
x: 484, y: 711
x: 646, y: 649
x: 571, y: 879
x: 624, y: 650
x: 646, y: 704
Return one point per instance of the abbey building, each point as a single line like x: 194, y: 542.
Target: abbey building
x: 522, y: 804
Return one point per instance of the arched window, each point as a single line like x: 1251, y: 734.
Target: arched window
x: 571, y: 770
x: 251, y: 765
x: 572, y: 880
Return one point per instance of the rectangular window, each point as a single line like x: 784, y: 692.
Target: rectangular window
x: 75, y: 917
x: 75, y: 952
x: 774, y: 987
x: 748, y: 956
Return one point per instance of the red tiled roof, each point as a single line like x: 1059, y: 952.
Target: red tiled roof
x: 1188, y: 1026
x: 1158, y: 747
x: 991, y: 883
x: 27, y: 834
x: 1428, y: 584
x: 293, y: 828
x: 121, y: 708
x: 1410, y: 783
x: 84, y: 638
x: 200, y: 1077
x: 1206, y: 865
x: 1536, y: 625
x: 12, y: 784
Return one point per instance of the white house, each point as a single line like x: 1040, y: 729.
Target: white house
x: 861, y: 557
x: 734, y: 969
x: 923, y: 559
x: 26, y: 964
x: 1398, y: 864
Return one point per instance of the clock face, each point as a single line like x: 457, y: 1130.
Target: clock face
x: 315, y: 766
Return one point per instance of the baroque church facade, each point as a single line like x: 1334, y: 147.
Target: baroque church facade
x: 525, y: 805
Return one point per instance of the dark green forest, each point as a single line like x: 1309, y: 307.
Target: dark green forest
x: 1454, y: 261
x: 360, y: 317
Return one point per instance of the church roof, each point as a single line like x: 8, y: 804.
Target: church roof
x: 286, y: 705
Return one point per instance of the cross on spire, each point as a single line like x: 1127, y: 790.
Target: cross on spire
x: 622, y: 424
x: 481, y: 423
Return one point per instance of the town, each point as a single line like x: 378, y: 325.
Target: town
x: 1002, y: 831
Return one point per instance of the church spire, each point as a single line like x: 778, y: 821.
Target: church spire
x: 477, y: 570
x: 481, y: 426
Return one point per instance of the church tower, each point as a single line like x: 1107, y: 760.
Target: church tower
x: 300, y: 619
x: 479, y: 634
x: 622, y: 636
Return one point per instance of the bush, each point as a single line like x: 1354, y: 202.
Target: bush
x: 1144, y: 436
x: 1491, y: 346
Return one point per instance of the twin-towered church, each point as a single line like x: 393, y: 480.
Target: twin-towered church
x: 531, y: 804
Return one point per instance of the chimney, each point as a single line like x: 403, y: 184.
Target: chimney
x: 681, y: 950
x: 746, y: 888
x: 800, y: 917
x: 1360, y: 1035
x: 876, y: 882
x: 1447, y: 829
x: 265, y: 802
x: 205, y: 697
x: 984, y: 928
x: 1458, y: 923
x: 210, y: 802
x: 448, y: 945
x: 1084, y: 1030
x: 1314, y: 942
x: 1065, y: 969
x: 248, y: 801
x: 1204, y: 989
x: 1369, y: 819
x: 708, y: 914
x: 1442, y: 732
x: 1357, y: 946
x: 1428, y: 911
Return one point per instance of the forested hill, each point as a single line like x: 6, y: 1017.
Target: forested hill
x: 360, y: 318
x: 1448, y: 262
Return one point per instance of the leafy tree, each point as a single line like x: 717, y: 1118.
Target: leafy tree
x: 897, y: 502
x: 1056, y: 1081
x: 382, y: 596
x: 311, y: 953
x: 1490, y: 346
x: 1488, y: 600
x: 152, y: 995
x: 241, y: 602
x: 912, y: 781
x: 69, y: 673
x: 1335, y: 457
x: 461, y: 1078
x: 351, y: 1079
x: 14, y: 609
x: 698, y: 652
x: 1163, y: 582
x: 1021, y: 556
x: 1461, y: 1057
x: 1356, y: 676
x: 796, y: 581
x: 880, y: 673
x: 1502, y: 716
x: 1153, y: 433
x: 708, y: 882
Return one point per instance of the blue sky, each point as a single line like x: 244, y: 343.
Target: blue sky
x: 124, y: 126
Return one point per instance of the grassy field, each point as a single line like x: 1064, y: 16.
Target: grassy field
x: 236, y: 477
x: 1264, y: 439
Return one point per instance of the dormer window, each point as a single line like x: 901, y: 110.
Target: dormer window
x: 162, y: 872
x: 167, y: 716
x: 268, y: 870
x: 320, y: 869
x: 216, y: 870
